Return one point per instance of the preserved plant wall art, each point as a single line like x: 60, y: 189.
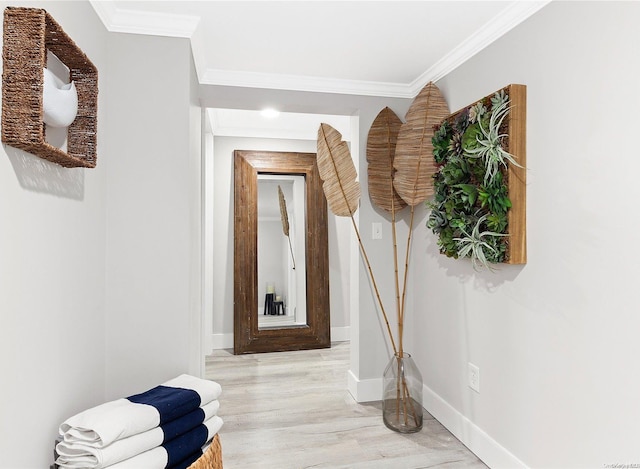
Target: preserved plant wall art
x: 479, y: 204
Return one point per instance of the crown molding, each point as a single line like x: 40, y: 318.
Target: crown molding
x: 139, y: 22
x: 501, y: 24
x: 160, y: 24
x: 304, y: 83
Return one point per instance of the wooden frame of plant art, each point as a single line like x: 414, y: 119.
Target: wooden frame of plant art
x: 479, y: 205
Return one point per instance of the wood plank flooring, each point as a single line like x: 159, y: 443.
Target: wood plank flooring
x: 292, y: 410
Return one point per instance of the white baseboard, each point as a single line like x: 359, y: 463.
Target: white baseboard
x: 340, y: 334
x: 364, y: 390
x: 225, y: 341
x: 221, y: 341
x: 472, y: 436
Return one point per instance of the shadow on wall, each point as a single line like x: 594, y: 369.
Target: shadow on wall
x: 463, y: 270
x: 38, y: 175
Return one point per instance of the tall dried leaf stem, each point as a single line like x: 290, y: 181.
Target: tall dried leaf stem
x: 284, y: 217
x: 395, y: 262
x: 409, y: 238
x: 403, y: 398
x: 293, y: 259
x: 404, y: 282
x: 402, y: 391
x: 364, y: 253
x: 395, y: 245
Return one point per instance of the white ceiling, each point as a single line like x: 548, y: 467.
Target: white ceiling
x: 373, y: 48
x: 381, y: 48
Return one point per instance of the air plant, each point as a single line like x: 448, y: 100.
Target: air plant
x: 476, y: 244
x: 488, y: 145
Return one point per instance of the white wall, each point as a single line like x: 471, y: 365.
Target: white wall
x: 556, y: 339
x: 153, y: 233
x: 52, y: 276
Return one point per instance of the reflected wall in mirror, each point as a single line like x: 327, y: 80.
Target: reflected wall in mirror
x: 282, y: 286
x: 281, y: 259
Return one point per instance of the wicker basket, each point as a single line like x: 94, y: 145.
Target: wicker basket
x: 212, y: 457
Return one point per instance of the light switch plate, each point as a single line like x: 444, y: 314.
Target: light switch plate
x: 376, y: 231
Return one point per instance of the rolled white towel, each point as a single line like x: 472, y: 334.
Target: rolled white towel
x: 83, y: 456
x: 207, y: 389
x: 102, y: 425
x: 176, y: 450
x: 108, y: 422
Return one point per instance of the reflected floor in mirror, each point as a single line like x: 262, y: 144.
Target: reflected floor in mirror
x: 276, y: 321
x: 292, y: 410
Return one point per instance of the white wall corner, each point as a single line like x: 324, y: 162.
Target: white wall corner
x: 198, y: 50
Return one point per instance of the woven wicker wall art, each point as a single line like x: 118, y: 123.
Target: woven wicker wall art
x: 28, y: 34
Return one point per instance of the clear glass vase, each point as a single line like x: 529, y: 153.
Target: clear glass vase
x: 402, y: 395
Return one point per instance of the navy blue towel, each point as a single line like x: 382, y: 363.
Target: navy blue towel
x: 183, y: 424
x: 171, y: 403
x: 187, y: 462
x: 182, y: 447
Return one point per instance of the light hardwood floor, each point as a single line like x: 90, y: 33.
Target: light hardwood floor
x: 291, y: 410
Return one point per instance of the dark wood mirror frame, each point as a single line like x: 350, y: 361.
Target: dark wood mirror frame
x: 247, y: 337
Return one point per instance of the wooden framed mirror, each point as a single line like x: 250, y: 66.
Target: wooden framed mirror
x: 307, y: 324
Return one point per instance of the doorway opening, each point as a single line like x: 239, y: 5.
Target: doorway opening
x: 227, y: 130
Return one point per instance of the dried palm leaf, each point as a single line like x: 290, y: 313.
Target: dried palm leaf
x: 414, y: 161
x: 381, y: 145
x: 342, y: 192
x: 338, y: 172
x: 284, y: 216
x: 381, y: 148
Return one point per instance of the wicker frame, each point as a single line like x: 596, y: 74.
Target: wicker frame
x: 28, y: 34
x: 212, y: 457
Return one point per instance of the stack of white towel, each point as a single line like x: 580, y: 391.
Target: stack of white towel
x: 169, y: 426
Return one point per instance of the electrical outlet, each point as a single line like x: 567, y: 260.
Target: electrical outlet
x: 376, y: 230
x: 474, y: 377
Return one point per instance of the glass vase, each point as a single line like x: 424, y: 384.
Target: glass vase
x: 402, y: 395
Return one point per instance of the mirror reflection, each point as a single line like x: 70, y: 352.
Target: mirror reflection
x: 281, y: 251
x: 303, y: 304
